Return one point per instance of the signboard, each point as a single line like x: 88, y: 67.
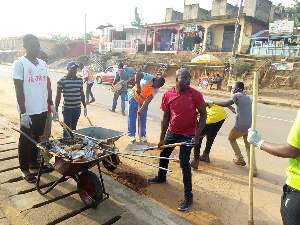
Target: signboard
x: 282, y: 66
x: 281, y: 27
x: 190, y: 28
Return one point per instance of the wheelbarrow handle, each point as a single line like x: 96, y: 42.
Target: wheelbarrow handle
x: 65, y: 125
x: 25, y: 135
x: 186, y: 143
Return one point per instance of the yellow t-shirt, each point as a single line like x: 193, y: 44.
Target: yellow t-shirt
x: 293, y: 171
x: 215, y: 114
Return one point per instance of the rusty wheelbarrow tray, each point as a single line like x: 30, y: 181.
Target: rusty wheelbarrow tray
x: 90, y: 188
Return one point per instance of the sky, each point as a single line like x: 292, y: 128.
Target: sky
x: 66, y: 17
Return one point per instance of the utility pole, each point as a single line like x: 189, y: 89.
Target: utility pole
x: 237, y: 29
x: 85, y: 34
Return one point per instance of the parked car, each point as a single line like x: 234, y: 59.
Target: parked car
x: 109, y: 75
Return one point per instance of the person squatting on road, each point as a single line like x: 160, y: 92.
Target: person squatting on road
x: 88, y: 79
x: 121, y: 75
x: 290, y: 199
x: 179, y: 124
x: 72, y: 88
x: 243, y: 122
x: 216, y: 116
x: 32, y: 93
x: 141, y: 94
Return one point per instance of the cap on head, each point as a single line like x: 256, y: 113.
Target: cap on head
x: 71, y: 65
x: 160, y: 81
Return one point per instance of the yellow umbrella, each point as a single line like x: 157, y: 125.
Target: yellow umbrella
x: 206, y: 58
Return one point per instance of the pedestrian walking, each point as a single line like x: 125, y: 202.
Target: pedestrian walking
x: 141, y: 95
x: 242, y: 122
x: 32, y: 93
x: 72, y: 88
x: 290, y: 199
x: 179, y: 124
x: 88, y: 79
x: 121, y: 76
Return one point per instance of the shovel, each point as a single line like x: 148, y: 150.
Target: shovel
x: 187, y: 143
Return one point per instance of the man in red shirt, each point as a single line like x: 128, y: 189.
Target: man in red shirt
x: 179, y: 124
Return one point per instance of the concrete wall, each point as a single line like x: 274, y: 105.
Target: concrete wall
x: 260, y: 9
x: 221, y: 7
x: 172, y: 15
x: 193, y: 11
x: 217, y: 36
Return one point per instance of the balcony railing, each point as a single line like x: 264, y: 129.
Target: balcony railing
x: 124, y: 44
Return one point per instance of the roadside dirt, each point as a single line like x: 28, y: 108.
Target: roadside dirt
x: 220, y: 188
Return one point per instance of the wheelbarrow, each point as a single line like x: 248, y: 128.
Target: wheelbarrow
x: 100, y: 135
x: 91, y: 190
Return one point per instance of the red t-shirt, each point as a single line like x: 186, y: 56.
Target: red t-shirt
x: 182, y: 108
x: 49, y: 85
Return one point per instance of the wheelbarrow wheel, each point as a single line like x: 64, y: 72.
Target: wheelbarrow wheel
x: 111, y: 162
x: 90, y: 189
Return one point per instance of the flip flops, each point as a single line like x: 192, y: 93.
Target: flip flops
x: 29, y: 178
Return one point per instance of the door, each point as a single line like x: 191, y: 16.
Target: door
x: 228, y: 38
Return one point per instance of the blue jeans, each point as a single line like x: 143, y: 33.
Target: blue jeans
x: 132, y: 115
x: 115, y: 100
x: 184, y: 156
x: 71, y: 116
x: 89, y: 92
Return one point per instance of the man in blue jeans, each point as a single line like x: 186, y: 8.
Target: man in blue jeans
x: 121, y: 75
x: 179, y: 124
x: 72, y: 88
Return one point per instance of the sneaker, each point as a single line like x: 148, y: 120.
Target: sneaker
x: 132, y: 138
x: 205, y: 158
x: 195, y: 164
x: 143, y: 139
x: 111, y: 110
x: 185, y: 205
x: 92, y: 100
x: 239, y: 163
x: 156, y: 180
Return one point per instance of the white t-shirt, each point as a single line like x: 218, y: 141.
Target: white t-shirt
x: 34, y: 84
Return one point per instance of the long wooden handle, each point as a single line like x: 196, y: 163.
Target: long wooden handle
x: 89, y: 121
x: 156, y: 147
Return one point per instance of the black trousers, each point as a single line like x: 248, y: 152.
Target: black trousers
x: 26, y: 149
x: 184, y: 156
x: 290, y: 206
x: 210, y: 130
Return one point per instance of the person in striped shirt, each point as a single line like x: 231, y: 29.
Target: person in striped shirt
x: 72, y: 88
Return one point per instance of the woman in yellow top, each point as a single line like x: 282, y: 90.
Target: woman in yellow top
x: 216, y: 116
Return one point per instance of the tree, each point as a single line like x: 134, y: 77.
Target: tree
x: 87, y: 35
x: 137, y: 20
x: 296, y: 13
x: 61, y: 39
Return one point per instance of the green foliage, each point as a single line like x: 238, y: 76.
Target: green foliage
x: 61, y: 39
x: 241, y: 67
x: 137, y: 20
x: 296, y: 13
x: 87, y: 35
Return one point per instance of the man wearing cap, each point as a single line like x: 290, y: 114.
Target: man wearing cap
x: 88, y: 78
x: 121, y: 75
x: 30, y: 79
x: 72, y: 88
x: 141, y: 95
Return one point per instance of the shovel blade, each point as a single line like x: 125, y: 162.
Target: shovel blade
x: 137, y: 147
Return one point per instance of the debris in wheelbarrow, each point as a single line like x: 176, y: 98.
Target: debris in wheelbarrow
x: 89, y: 187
